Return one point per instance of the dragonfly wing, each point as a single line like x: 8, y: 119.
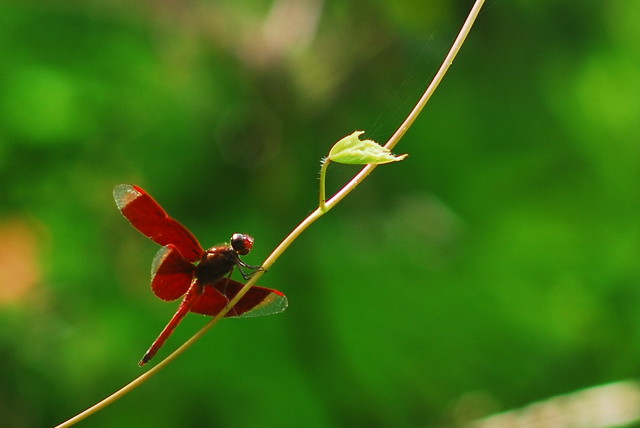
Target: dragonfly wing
x: 171, y: 274
x: 146, y: 215
x: 257, y: 302
x: 210, y: 302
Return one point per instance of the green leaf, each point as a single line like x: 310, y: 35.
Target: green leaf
x: 354, y: 151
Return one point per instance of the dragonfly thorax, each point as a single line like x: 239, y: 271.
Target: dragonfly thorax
x: 216, y: 263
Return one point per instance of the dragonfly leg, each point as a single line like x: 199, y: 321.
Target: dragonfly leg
x: 247, y: 275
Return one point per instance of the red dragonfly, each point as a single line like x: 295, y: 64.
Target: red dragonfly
x: 183, y: 267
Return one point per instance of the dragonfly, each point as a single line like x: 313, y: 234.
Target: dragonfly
x: 183, y: 268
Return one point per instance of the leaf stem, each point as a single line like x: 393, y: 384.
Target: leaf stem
x: 323, y: 175
x: 315, y: 215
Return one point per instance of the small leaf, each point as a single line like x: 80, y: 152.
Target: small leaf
x: 351, y: 150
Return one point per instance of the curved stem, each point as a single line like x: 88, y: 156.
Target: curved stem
x: 315, y: 215
x: 435, y: 82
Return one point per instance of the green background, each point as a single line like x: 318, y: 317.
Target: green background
x: 497, y: 265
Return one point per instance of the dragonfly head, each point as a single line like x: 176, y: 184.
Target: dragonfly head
x: 241, y: 243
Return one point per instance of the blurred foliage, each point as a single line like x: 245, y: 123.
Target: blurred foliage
x: 499, y: 260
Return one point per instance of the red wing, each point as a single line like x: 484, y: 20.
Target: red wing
x: 171, y: 274
x: 210, y: 302
x: 146, y: 215
x: 258, y: 301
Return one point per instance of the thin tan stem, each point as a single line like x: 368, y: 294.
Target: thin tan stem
x: 448, y: 60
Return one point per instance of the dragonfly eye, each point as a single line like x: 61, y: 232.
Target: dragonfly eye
x: 241, y: 243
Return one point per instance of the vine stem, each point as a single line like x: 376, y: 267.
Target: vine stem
x: 315, y: 215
